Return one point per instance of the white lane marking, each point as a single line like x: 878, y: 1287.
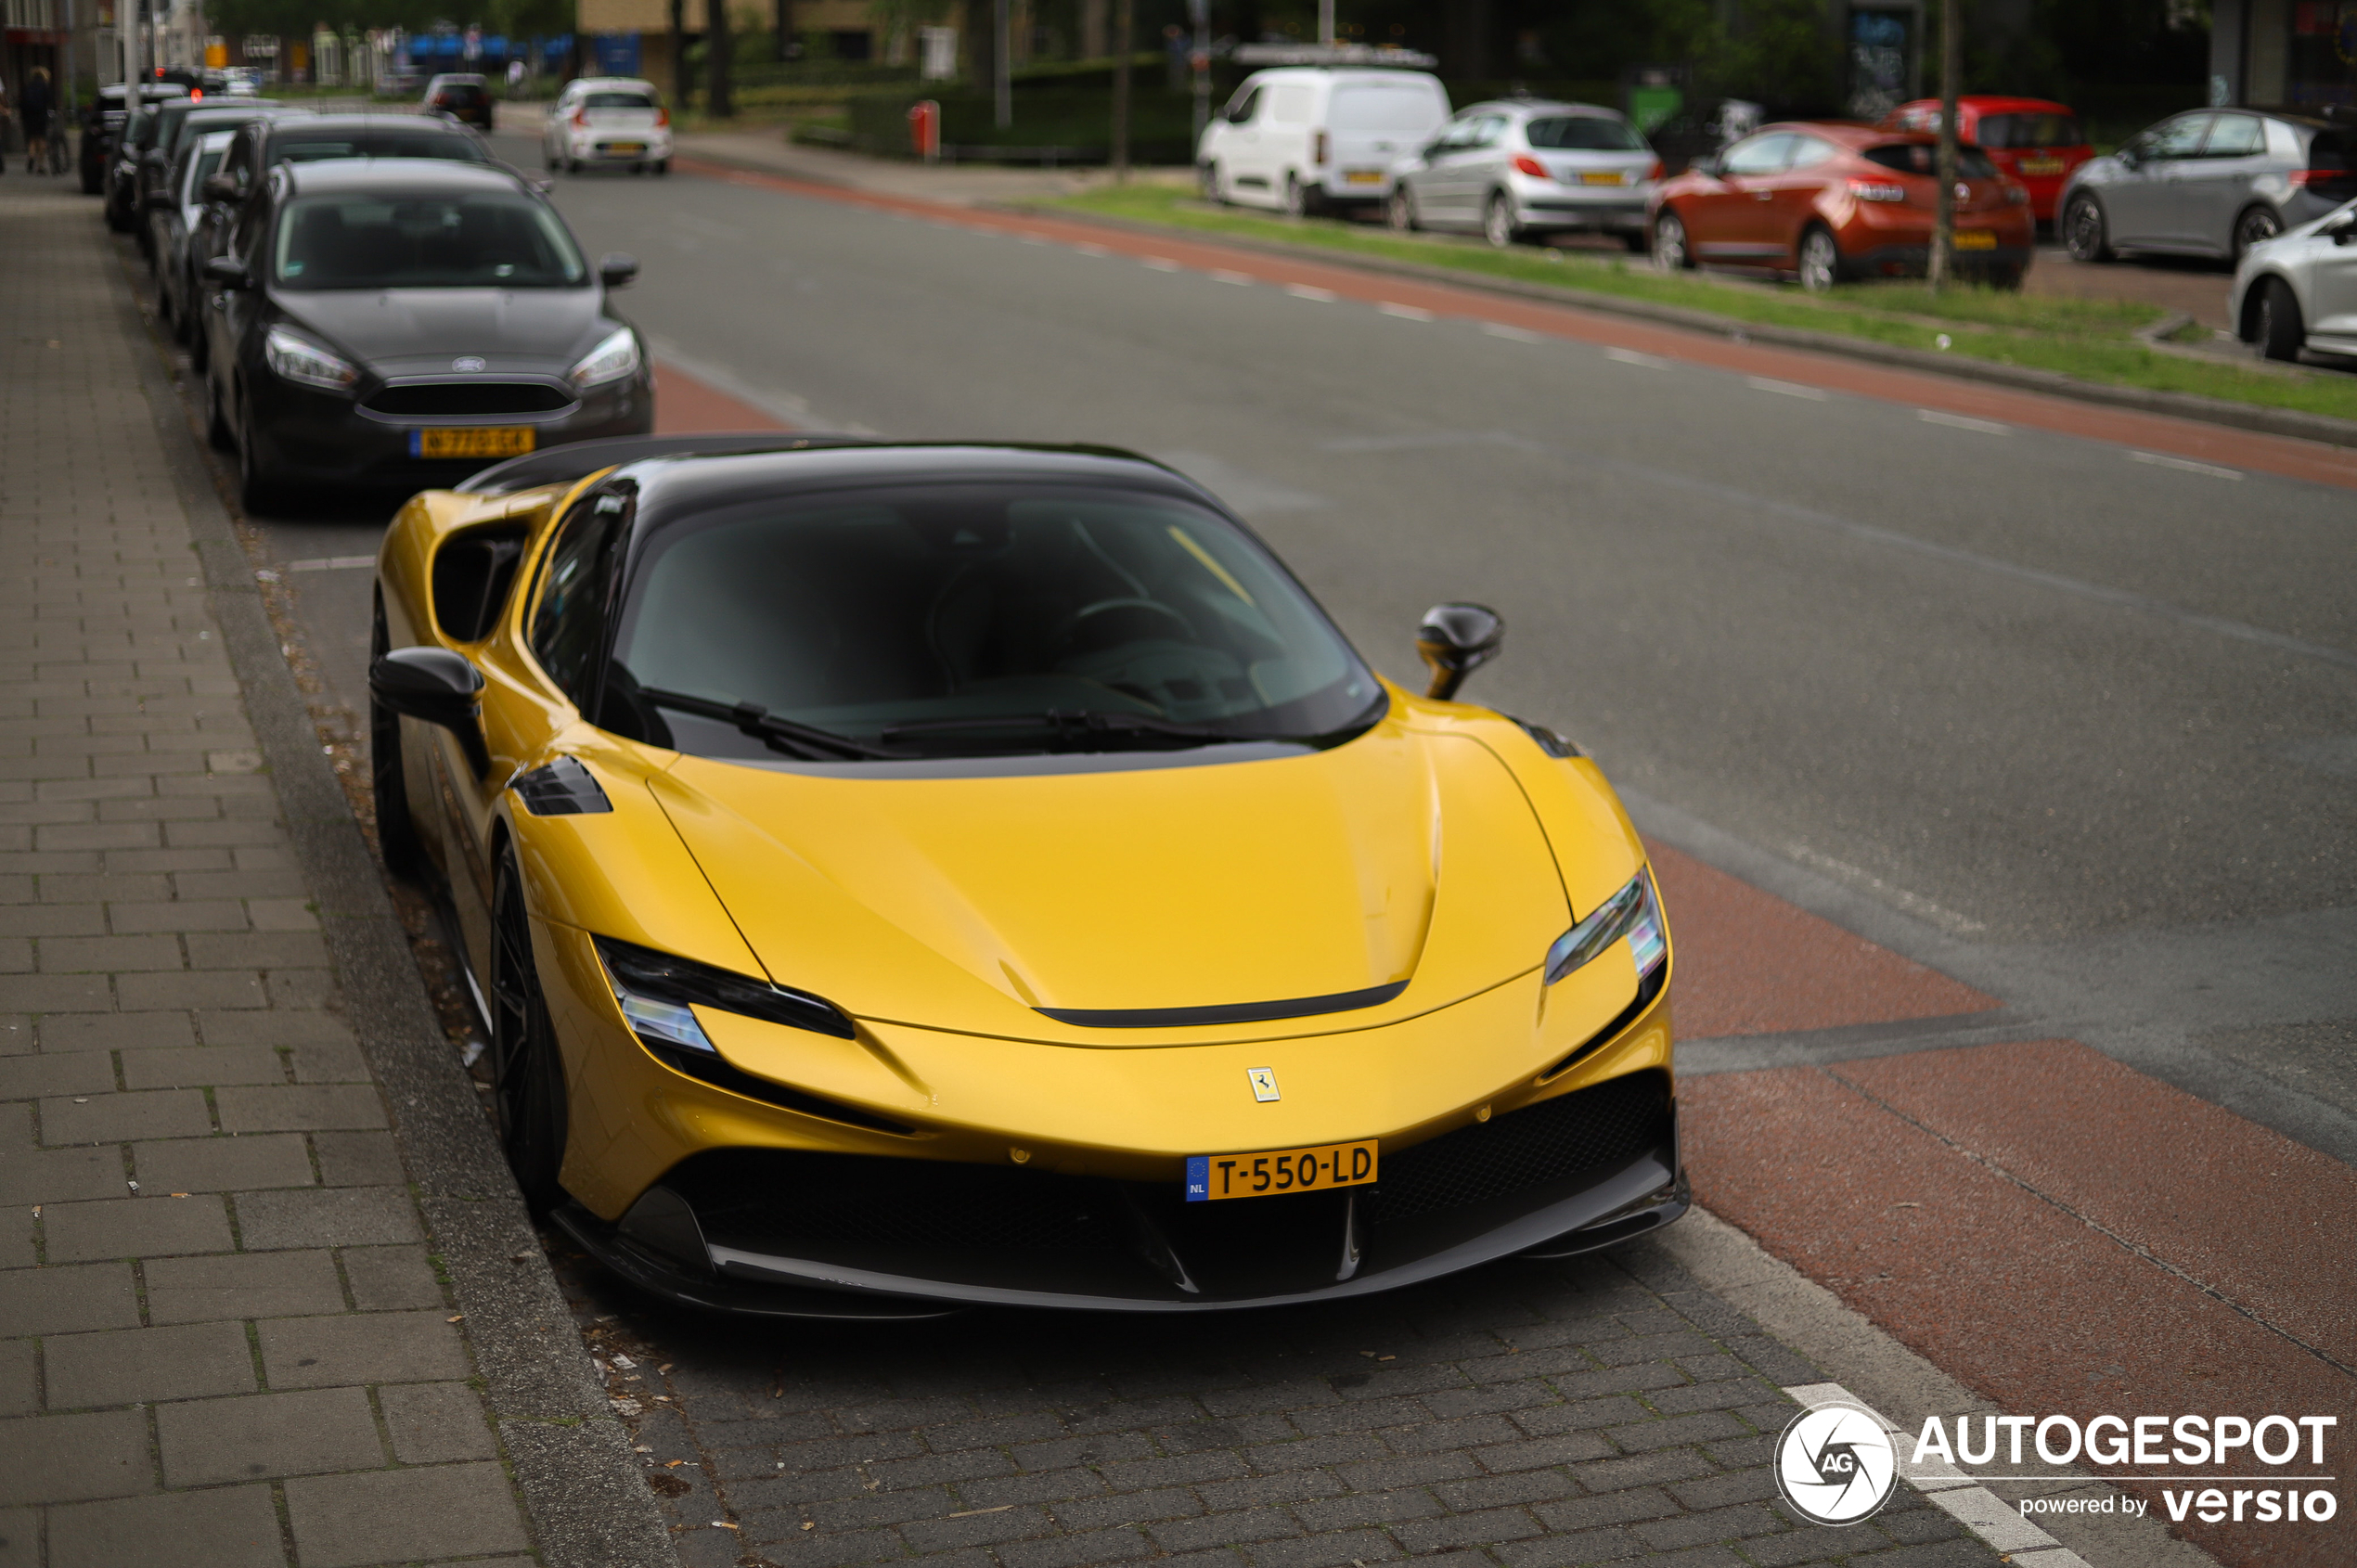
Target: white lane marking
x: 1630, y: 356
x: 1789, y: 389
x: 1962, y: 422
x: 2185, y: 465
x: 1220, y: 275
x: 1035, y: 240
x: 1160, y: 263
x: 332, y: 563
x: 1405, y: 312
x: 1512, y: 334
x: 1306, y: 291
x: 1089, y: 250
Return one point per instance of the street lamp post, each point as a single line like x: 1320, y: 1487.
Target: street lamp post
x: 1199, y: 14
x: 1326, y: 22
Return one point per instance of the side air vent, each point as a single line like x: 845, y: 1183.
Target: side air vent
x: 473, y: 575
x: 563, y: 787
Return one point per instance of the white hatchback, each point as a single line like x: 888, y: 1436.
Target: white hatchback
x: 609, y: 120
x: 1309, y: 138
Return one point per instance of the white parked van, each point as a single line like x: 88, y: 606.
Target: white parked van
x: 1304, y: 138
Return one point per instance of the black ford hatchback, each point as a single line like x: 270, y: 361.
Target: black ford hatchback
x: 405, y: 322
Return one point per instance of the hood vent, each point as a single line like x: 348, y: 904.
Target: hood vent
x: 1231, y: 1012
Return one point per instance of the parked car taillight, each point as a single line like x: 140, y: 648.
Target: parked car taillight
x: 663, y: 117
x: 1877, y: 190
x: 1317, y: 149
x: 1657, y: 170
x: 580, y: 118
x: 2333, y: 185
x: 1526, y: 165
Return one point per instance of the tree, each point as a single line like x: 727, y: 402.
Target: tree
x: 717, y: 52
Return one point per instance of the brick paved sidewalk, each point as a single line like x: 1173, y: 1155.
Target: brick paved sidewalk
x: 233, y: 1318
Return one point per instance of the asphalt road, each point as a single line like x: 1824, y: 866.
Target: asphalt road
x: 2091, y: 714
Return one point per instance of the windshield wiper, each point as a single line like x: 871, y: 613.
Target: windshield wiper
x: 804, y: 741
x: 1072, y: 725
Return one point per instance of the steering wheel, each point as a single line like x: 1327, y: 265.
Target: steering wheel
x: 1069, y: 632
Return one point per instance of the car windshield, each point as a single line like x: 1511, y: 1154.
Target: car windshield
x: 1583, y: 132
x: 616, y: 100
x: 299, y: 147
x: 459, y: 92
x: 967, y: 620
x: 385, y: 240
x: 1923, y: 157
x: 2030, y: 130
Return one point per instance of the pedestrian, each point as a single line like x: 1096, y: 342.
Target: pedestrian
x: 35, y: 106
x: 515, y: 76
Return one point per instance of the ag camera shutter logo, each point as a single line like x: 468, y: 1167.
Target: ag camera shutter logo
x: 1835, y: 1464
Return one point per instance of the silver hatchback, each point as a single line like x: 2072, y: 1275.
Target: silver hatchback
x: 2210, y: 183
x: 1526, y: 166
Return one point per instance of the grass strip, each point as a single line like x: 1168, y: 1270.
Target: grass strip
x: 2087, y: 338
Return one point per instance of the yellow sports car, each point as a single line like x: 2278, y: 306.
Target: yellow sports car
x: 900, y: 877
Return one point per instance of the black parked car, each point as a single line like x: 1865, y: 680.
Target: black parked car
x: 108, y: 171
x: 463, y: 96
x: 175, y: 122
x: 407, y: 322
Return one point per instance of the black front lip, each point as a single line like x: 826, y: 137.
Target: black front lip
x: 1596, y: 1210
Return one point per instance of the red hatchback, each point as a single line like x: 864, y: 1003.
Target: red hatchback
x: 1833, y: 201
x: 2036, y: 142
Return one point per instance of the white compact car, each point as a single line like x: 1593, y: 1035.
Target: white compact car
x: 609, y: 120
x: 2300, y: 289
x: 1309, y: 138
x: 1523, y: 166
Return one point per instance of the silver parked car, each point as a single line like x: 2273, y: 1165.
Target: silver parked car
x: 2212, y: 182
x: 1526, y: 166
x: 172, y: 217
x: 2300, y: 290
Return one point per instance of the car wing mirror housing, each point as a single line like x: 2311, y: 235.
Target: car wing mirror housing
x: 228, y: 271
x: 1454, y: 641
x: 2343, y: 229
x: 437, y: 687
x: 617, y: 269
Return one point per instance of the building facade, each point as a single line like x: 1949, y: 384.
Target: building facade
x: 2298, y: 54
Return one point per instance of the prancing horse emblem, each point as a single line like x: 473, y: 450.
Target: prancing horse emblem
x: 1264, y: 1083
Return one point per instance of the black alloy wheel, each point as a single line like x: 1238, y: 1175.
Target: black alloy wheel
x: 396, y: 832
x: 2086, y: 233
x: 527, y: 1077
x: 1671, y: 252
x: 2256, y: 226
x: 2278, y: 329
x: 1402, y: 209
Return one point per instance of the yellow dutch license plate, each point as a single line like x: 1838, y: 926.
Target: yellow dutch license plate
x: 1976, y: 240
x: 473, y: 441
x: 1601, y: 177
x: 1362, y: 176
x: 626, y: 147
x: 2041, y: 165
x: 1211, y: 1178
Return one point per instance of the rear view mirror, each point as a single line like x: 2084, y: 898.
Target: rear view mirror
x: 616, y: 270
x: 436, y: 687
x: 1454, y: 641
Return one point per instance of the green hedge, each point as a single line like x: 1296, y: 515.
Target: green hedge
x: 1161, y: 122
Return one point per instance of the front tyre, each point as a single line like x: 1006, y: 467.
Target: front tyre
x: 1402, y: 210
x: 2086, y: 233
x: 1207, y: 184
x: 527, y: 1076
x: 1820, y: 260
x: 2280, y: 332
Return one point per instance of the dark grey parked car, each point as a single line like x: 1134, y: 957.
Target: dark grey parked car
x: 2214, y: 181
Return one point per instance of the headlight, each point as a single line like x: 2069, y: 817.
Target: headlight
x: 609, y: 361
x: 299, y: 359
x: 1633, y: 912
x: 657, y: 992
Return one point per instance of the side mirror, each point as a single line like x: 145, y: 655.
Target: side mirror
x: 1455, y: 640
x: 436, y: 687
x: 228, y: 271
x: 2343, y: 229
x: 617, y: 270
x: 219, y: 188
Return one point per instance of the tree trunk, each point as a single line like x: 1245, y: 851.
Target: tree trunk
x: 1943, y: 235
x: 1092, y: 29
x: 682, y: 85
x: 716, y: 51
x: 980, y: 38
x: 783, y: 23
x: 1125, y: 44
